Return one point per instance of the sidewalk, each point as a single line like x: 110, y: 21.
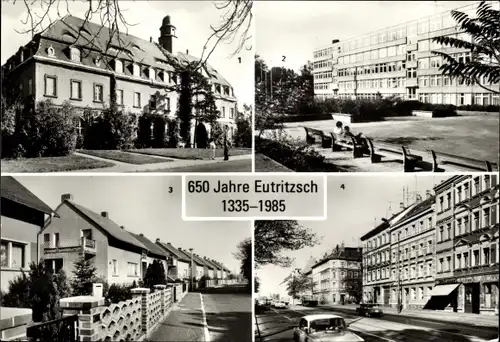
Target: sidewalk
x: 456, y: 317
x: 184, y: 323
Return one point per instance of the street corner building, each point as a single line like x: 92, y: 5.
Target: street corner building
x: 398, y: 61
x: 76, y: 61
x: 333, y: 273
x: 438, y: 253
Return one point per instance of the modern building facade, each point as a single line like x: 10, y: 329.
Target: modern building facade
x: 331, y: 273
x: 467, y: 220
x: 73, y: 61
x: 22, y: 218
x: 398, y: 61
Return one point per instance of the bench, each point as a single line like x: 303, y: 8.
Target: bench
x: 410, y: 161
x: 435, y: 166
x: 374, y: 157
x: 459, y: 163
x: 326, y: 141
x: 339, y: 140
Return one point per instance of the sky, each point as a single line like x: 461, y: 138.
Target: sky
x: 143, y: 204
x: 295, y: 28
x: 191, y: 18
x: 352, y: 212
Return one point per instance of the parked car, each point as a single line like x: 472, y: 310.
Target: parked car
x: 280, y: 305
x: 369, y: 310
x: 324, y: 328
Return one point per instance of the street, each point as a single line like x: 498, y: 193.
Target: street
x: 210, y: 315
x: 277, y: 325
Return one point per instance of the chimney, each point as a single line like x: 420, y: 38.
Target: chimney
x: 150, y: 39
x: 65, y: 197
x: 139, y: 234
x: 158, y: 240
x: 122, y: 227
x: 105, y: 214
x: 418, y: 198
x: 428, y: 194
x: 187, y: 52
x: 401, y: 205
x: 335, y: 41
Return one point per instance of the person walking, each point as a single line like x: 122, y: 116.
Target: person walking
x: 213, y: 147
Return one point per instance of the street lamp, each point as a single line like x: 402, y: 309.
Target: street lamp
x: 191, y: 252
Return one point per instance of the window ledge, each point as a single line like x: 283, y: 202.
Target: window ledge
x: 52, y: 96
x: 76, y: 99
x: 11, y: 269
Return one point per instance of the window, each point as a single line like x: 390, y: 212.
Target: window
x: 30, y: 86
x: 136, y: 70
x: 118, y: 66
x: 223, y: 112
x: 132, y: 269
x: 13, y: 258
x: 423, y: 45
x: 137, y: 99
x: 76, y: 90
x: 98, y: 93
x: 50, y: 86
x: 56, y: 239
x: 476, y: 258
x: 152, y: 74
x: 231, y: 113
x: 119, y: 97
x: 477, y: 186
x: 115, y: 267
x: 152, y: 102
x: 75, y: 55
x: 4, y: 262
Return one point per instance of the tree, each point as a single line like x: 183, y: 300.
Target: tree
x: 243, y: 135
x: 274, y: 237
x: 483, y: 44
x: 244, y: 254
x: 298, y: 284
x: 353, y: 284
x: 85, y: 274
x: 155, y: 274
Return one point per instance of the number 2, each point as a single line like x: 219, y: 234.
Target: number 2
x: 283, y: 59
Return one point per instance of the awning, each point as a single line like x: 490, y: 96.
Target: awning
x: 443, y: 290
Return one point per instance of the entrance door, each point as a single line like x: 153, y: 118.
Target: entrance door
x: 406, y: 297
x: 472, y: 298
x: 387, y: 295
x: 375, y: 294
x: 201, y: 136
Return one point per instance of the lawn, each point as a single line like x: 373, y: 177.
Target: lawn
x: 124, y: 157
x: 191, y: 153
x: 51, y: 164
x: 468, y: 136
x: 266, y: 164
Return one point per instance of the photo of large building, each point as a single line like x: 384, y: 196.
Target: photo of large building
x: 73, y: 61
x: 398, y: 61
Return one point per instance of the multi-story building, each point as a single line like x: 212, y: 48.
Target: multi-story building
x: 178, y: 262
x: 331, y: 273
x: 467, y: 216
x: 22, y: 218
x: 377, y: 279
x: 73, y: 61
x: 398, y: 61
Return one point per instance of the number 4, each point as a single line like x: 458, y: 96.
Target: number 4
x: 342, y: 187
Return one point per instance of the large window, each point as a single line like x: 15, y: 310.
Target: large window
x: 132, y: 269
x: 50, y: 86
x: 137, y: 99
x: 12, y: 255
x: 119, y: 97
x: 76, y: 90
x: 98, y: 93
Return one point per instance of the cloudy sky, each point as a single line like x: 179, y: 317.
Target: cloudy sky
x: 143, y: 204
x: 192, y: 19
x: 295, y: 28
x: 352, y: 212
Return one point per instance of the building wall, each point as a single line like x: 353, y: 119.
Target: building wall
x: 69, y: 226
x: 183, y: 269
x: 123, y: 257
x: 18, y: 241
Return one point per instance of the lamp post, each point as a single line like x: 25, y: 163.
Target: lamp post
x: 400, y: 290
x: 191, y: 253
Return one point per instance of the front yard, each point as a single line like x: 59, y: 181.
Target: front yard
x: 125, y: 157
x: 190, y: 153
x: 51, y: 164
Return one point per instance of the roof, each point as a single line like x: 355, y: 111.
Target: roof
x: 419, y: 208
x: 150, y: 245
x: 174, y: 251
x: 320, y: 316
x: 199, y: 260
x: 14, y: 191
x: 309, y: 264
x: 211, y: 264
x: 221, y: 265
x: 107, y: 225
x: 344, y: 253
x: 208, y: 68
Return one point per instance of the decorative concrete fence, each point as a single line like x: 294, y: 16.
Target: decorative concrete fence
x: 13, y: 323
x: 215, y: 282
x: 133, y: 319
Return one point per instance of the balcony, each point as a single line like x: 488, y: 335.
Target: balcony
x: 87, y: 246
x: 170, y: 261
x: 411, y: 64
x: 411, y: 47
x: 411, y: 82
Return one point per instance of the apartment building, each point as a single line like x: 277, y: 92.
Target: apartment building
x: 397, y: 61
x: 331, y: 273
x: 467, y: 216
x: 178, y: 263
x: 61, y: 64
x: 22, y: 217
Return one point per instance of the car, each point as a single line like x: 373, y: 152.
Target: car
x: 280, y: 305
x: 369, y: 310
x: 323, y: 328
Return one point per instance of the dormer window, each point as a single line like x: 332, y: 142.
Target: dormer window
x: 161, y: 75
x: 152, y: 74
x: 75, y: 54
x: 136, y: 70
x: 50, y: 51
x: 118, y: 66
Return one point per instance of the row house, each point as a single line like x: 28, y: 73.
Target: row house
x: 22, y: 218
x: 331, y: 273
x: 377, y: 260
x: 153, y: 252
x: 413, y: 255
x: 72, y: 60
x: 178, y: 262
x: 467, y: 216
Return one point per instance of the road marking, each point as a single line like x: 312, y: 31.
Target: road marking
x: 206, y: 333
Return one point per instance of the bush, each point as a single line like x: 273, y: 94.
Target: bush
x: 442, y: 111
x: 85, y: 274
x: 217, y: 133
x: 18, y: 293
x: 243, y: 135
x: 118, y: 293
x: 480, y: 108
x: 151, y: 131
x: 155, y: 274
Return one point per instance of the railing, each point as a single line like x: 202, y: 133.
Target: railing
x: 63, y: 329
x: 69, y: 245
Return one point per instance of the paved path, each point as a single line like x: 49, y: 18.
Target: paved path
x: 174, y: 165
x: 277, y: 325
